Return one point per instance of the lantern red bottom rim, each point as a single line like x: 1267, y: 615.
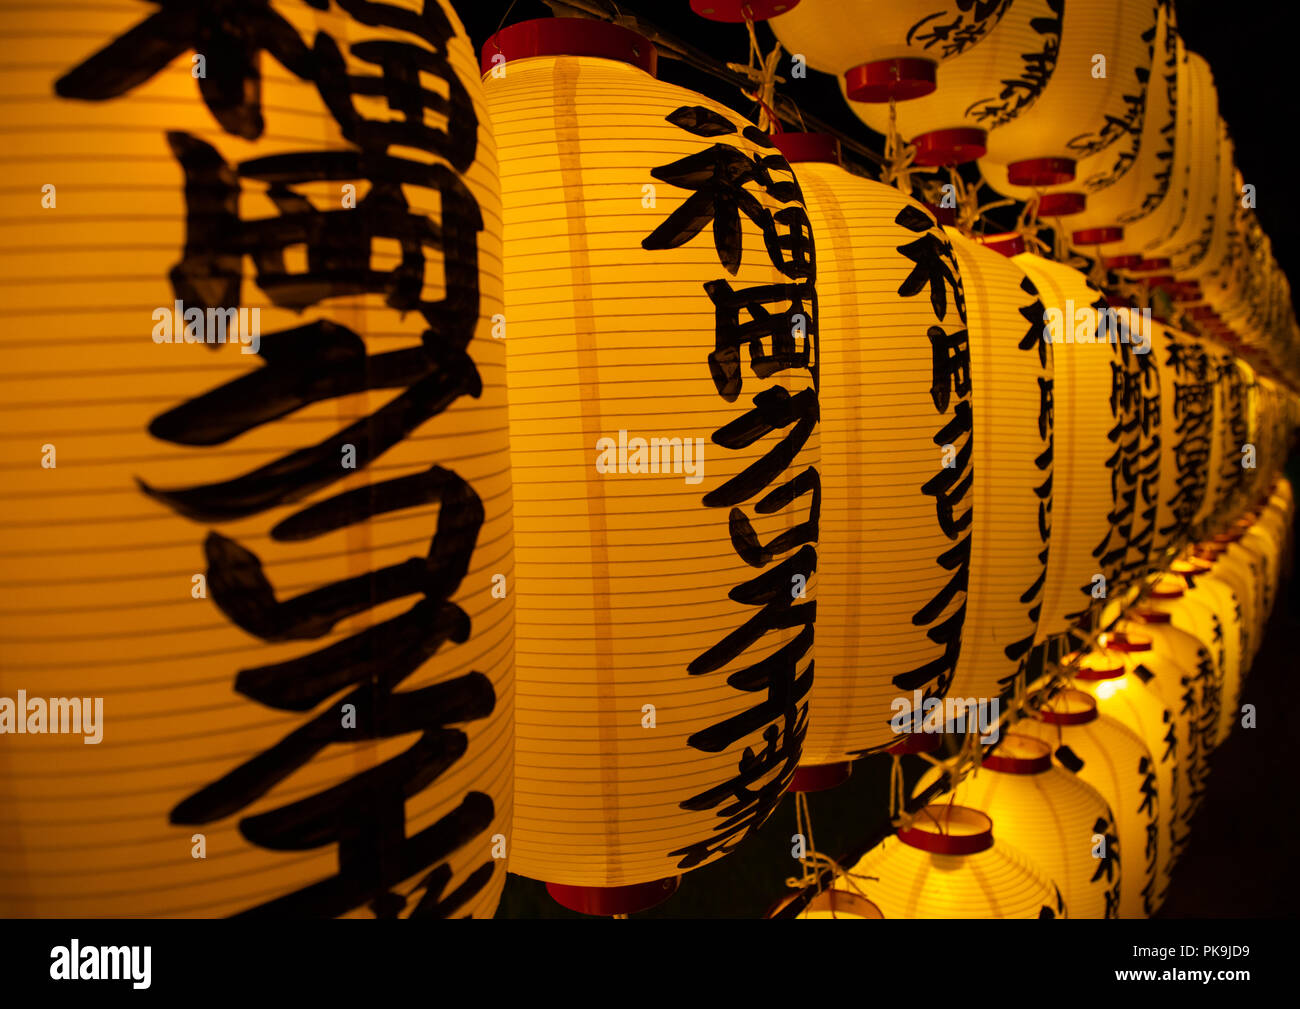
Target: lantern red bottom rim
x: 899, y: 79
x: 604, y: 901
x: 1009, y: 244
x: 949, y: 147
x: 819, y: 777
x: 738, y: 11
x: 1061, y: 204
x: 1041, y: 172
x: 1100, y: 236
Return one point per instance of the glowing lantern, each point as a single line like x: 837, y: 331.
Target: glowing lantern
x: 1237, y: 569
x: 1129, y: 180
x: 1205, y: 606
x: 1201, y: 257
x: 1124, y: 692
x: 888, y: 50
x: 1094, y: 97
x: 272, y: 568
x: 947, y: 864
x: 1179, y: 685
x: 664, y: 592
x: 1188, y: 677
x: 1011, y: 376
x: 1201, y: 164
x: 895, y: 383
x: 981, y: 89
x: 1052, y: 817
x: 1188, y: 470
x: 1114, y: 760
x: 1081, y: 568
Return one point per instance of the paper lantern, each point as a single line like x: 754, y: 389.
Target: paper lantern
x: 1129, y: 180
x: 1188, y: 468
x: 896, y: 496
x: 1180, y: 682
x: 1231, y: 430
x: 1126, y: 693
x: 1202, y: 165
x: 1094, y: 97
x: 1201, y: 257
x: 1052, y: 817
x: 1011, y: 380
x: 889, y: 50
x: 273, y: 569
x: 1237, y: 568
x: 1190, y: 680
x: 1205, y: 606
x: 947, y: 864
x: 1114, y: 760
x: 1086, y: 557
x: 663, y: 424
x: 981, y: 89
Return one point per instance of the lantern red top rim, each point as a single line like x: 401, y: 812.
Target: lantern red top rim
x: 1019, y: 754
x: 1009, y: 243
x: 1080, y: 708
x: 569, y: 37
x: 740, y: 11
x: 800, y: 148
x: 944, y: 829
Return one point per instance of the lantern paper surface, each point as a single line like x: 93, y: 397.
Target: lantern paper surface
x: 1131, y: 182
x: 835, y: 35
x: 271, y: 558
x: 1179, y: 686
x: 1122, y: 694
x: 1011, y: 380
x: 1053, y: 818
x: 899, y: 481
x: 1187, y: 464
x: 666, y: 483
x: 997, y: 882
x: 982, y: 88
x: 1083, y: 493
x: 1208, y: 609
x: 1114, y: 760
x: 1094, y: 97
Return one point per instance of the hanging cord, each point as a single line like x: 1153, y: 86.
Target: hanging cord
x: 1027, y: 227
x: 970, y: 213
x: 897, y: 170
x: 761, y: 71
x: 817, y: 870
x: 1068, y: 253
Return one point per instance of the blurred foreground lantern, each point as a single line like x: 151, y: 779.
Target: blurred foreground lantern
x: 1114, y: 760
x: 894, y: 553
x: 270, y: 574
x: 1055, y: 819
x: 946, y: 864
x: 665, y: 451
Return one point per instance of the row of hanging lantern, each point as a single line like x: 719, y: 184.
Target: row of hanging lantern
x: 1095, y: 115
x: 690, y: 407
x: 1091, y: 791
